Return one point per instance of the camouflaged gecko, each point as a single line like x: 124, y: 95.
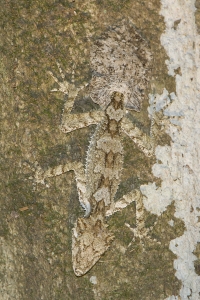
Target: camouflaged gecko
x: 120, y: 60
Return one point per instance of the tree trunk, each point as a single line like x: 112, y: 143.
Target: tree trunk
x: 155, y: 253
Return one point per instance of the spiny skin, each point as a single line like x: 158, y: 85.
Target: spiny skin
x: 120, y: 60
x: 105, y: 155
x: 91, y: 237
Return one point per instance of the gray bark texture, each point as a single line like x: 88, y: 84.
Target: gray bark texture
x: 37, y: 218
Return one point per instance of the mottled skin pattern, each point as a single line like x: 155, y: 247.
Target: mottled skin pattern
x: 91, y: 237
x: 115, y: 87
x: 105, y: 155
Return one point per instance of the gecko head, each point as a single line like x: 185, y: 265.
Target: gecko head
x: 117, y: 97
x: 120, y: 60
x: 90, y: 241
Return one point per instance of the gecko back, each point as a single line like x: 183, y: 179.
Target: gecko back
x: 120, y: 60
x: 91, y: 237
x: 105, y: 155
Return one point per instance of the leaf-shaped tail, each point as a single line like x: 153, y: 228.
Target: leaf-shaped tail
x: 91, y: 238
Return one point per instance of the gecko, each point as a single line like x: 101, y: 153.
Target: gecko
x: 120, y: 60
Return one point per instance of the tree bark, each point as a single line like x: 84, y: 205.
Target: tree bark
x: 37, y: 219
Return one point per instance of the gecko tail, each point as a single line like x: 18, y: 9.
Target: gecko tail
x: 90, y: 240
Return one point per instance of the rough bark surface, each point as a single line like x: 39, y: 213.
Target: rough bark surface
x: 37, y: 219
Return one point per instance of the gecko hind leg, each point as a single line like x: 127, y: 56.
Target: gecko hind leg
x: 90, y: 236
x: 78, y: 168
x: 140, y: 231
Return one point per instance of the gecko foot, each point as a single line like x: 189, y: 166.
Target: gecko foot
x: 141, y: 234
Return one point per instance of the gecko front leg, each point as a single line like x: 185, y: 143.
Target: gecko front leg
x: 71, y: 122
x: 145, y: 142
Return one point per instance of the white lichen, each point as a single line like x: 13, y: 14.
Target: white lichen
x: 179, y: 167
